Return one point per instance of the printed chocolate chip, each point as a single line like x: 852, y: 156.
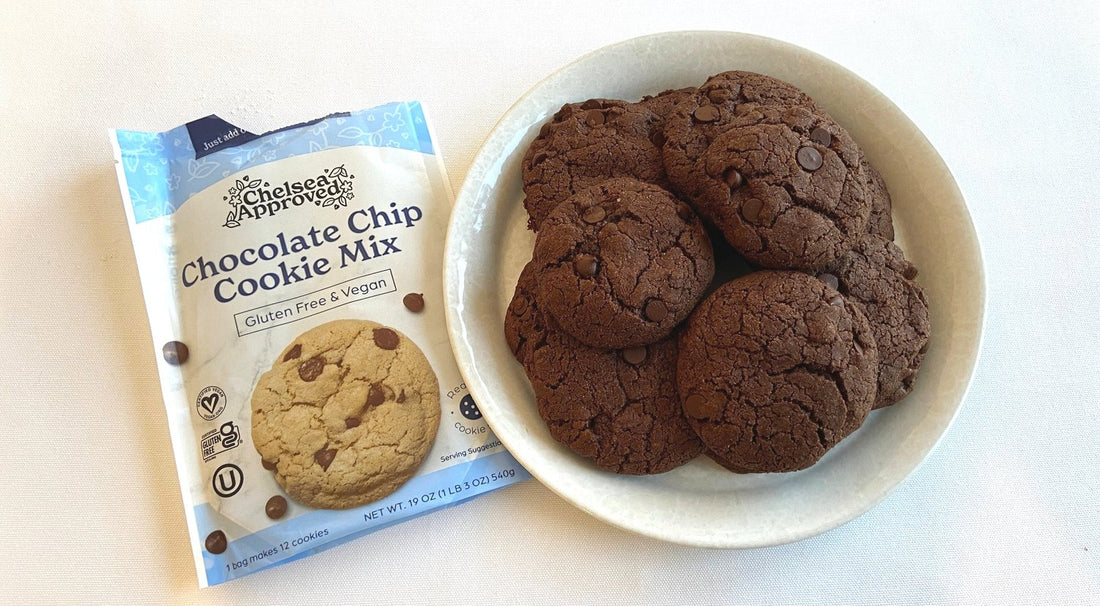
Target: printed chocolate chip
x: 750, y: 210
x: 311, y: 368
x: 268, y: 465
x: 175, y: 353
x: 809, y: 158
x: 414, y: 302
x: 733, y: 178
x: 586, y: 265
x: 386, y: 338
x: 275, y: 507
x: 594, y: 214
x: 698, y: 406
x: 684, y: 211
x: 294, y: 353
x: 216, y: 542
x: 635, y: 355
x: 910, y: 271
x: 352, y: 422
x: 706, y: 113
x: 830, y: 280
x: 376, y: 395
x: 324, y: 457
x: 821, y: 136
x: 594, y: 117
x: 655, y: 310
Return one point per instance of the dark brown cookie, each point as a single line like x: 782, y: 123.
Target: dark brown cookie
x: 876, y: 277
x: 881, y: 221
x: 586, y: 143
x: 663, y: 103
x: 786, y: 188
x: 617, y: 408
x: 774, y: 369
x: 621, y: 264
x: 723, y: 100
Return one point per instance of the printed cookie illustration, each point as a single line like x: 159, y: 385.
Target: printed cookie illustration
x: 622, y: 263
x: 774, y: 369
x: 346, y: 414
x: 876, y: 277
x: 616, y: 408
x: 584, y: 144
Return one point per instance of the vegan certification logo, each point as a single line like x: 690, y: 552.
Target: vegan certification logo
x: 254, y: 199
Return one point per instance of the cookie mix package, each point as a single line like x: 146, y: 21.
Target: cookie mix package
x: 294, y: 289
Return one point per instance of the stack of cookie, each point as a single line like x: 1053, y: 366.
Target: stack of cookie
x: 639, y: 356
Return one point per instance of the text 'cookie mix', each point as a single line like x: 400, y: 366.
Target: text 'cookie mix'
x: 293, y: 286
x: 713, y: 273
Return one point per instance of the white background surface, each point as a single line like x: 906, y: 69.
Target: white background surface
x: 1006, y: 509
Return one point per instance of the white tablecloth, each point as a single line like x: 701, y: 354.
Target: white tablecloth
x: 1006, y: 509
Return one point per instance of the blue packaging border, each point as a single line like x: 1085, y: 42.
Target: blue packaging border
x: 163, y: 170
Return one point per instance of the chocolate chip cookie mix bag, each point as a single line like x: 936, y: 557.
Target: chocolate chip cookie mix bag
x: 293, y: 282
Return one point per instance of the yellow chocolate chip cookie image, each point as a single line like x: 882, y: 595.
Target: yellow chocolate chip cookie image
x: 346, y: 415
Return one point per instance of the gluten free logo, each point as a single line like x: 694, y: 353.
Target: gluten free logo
x: 210, y: 402
x: 255, y: 199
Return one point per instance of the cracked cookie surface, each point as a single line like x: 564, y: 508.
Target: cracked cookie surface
x: 881, y: 220
x: 617, y: 408
x: 876, y: 276
x: 346, y: 414
x: 786, y: 188
x: 622, y: 263
x: 774, y: 369
x: 585, y: 143
x: 724, y: 99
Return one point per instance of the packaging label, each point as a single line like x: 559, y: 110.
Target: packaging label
x: 293, y: 280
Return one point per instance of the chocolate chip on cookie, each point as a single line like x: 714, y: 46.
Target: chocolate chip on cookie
x: 584, y: 144
x: 349, y: 417
x: 617, y: 408
x: 772, y: 374
x: 619, y: 266
x: 725, y: 98
x: 875, y: 276
x: 795, y: 203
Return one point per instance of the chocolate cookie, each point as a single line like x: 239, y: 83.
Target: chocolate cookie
x: 881, y: 221
x: 617, y: 408
x: 774, y: 369
x: 663, y: 103
x: 622, y: 263
x: 346, y: 414
x: 586, y: 143
x: 786, y: 188
x: 723, y: 99
x: 876, y: 277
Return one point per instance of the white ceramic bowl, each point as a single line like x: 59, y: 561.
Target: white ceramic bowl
x: 701, y: 503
